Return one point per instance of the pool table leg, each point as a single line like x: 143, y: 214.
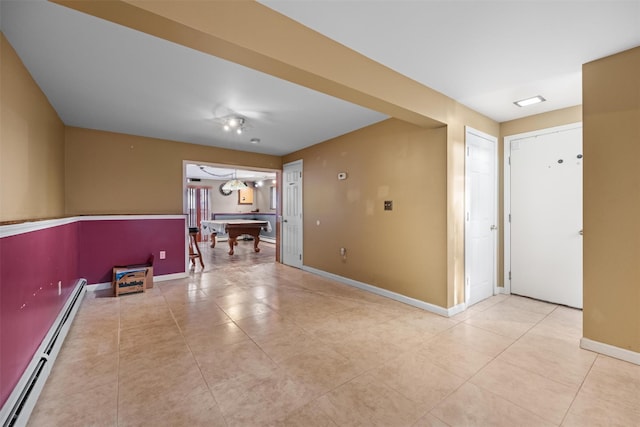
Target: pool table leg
x: 232, y: 243
x: 256, y: 240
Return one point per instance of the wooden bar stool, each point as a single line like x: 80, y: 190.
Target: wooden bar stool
x: 194, y: 249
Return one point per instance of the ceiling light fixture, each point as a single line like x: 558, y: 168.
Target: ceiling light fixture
x: 234, y: 184
x: 231, y: 185
x: 530, y: 101
x: 234, y: 123
x: 255, y: 140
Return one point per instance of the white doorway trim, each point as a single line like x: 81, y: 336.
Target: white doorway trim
x: 507, y: 191
x: 185, y: 208
x: 494, y: 221
x: 216, y: 165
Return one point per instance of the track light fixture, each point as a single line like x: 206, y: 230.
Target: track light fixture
x: 234, y: 124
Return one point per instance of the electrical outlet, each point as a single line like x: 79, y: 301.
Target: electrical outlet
x: 59, y: 287
x: 163, y: 254
x: 388, y: 205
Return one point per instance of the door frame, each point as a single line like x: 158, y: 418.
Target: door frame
x: 507, y: 190
x: 226, y: 166
x: 467, y: 203
x: 282, y: 210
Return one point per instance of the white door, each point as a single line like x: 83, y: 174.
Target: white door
x: 546, y: 216
x: 481, y: 216
x: 292, y: 214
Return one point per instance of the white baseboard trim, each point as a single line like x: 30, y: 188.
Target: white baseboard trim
x: 388, y: 294
x: 172, y: 276
x: 610, y: 350
x: 98, y: 286
x: 452, y: 311
x: 502, y: 290
x: 164, y: 277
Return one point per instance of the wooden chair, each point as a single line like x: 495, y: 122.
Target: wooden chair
x: 194, y: 249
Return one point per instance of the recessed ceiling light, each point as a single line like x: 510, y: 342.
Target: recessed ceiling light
x: 254, y: 140
x: 530, y: 101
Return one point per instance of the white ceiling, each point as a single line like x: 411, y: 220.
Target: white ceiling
x: 101, y: 75
x: 484, y: 54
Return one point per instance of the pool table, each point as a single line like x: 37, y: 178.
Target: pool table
x: 235, y: 228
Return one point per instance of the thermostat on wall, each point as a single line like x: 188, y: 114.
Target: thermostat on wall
x: 342, y: 175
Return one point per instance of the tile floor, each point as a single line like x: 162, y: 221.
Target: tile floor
x: 265, y: 344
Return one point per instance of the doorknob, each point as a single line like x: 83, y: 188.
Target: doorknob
x: 284, y: 220
x: 581, y: 232
x: 493, y: 227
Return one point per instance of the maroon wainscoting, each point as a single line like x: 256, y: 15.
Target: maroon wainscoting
x: 31, y: 264
x: 105, y: 243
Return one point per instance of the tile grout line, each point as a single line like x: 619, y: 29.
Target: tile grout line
x: 579, y: 388
x: 278, y: 365
x: 195, y: 360
x: 531, y: 372
x: 318, y: 339
x: 184, y: 339
x: 494, y: 358
x: 415, y: 349
x: 465, y: 381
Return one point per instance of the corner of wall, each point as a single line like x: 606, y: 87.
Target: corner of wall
x: 31, y: 145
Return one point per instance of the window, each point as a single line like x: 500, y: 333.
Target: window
x: 274, y: 198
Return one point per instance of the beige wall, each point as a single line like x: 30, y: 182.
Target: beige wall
x: 47, y: 170
x: 551, y: 119
x: 111, y: 173
x: 31, y: 145
x: 263, y: 197
x: 611, y: 125
x: 404, y: 250
x: 533, y: 123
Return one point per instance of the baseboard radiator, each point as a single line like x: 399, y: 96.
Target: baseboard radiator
x: 17, y: 409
